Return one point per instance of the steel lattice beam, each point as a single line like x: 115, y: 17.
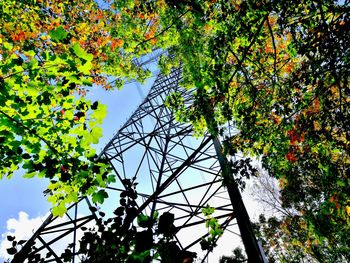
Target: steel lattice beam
x: 175, y: 172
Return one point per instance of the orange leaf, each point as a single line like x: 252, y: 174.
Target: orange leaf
x: 100, y: 15
x: 154, y: 41
x: 117, y: 43
x: 316, y: 104
x: 268, y: 48
x: 289, y: 67
x: 293, y: 136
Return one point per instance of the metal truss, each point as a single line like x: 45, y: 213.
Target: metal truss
x: 176, y: 172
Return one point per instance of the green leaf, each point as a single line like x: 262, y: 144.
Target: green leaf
x: 29, y: 175
x: 111, y: 178
x: 58, y: 34
x: 207, y: 211
x: 33, y: 63
x: 72, y: 197
x: 143, y: 220
x: 292, y: 51
x: 155, y: 214
x: 11, y: 251
x: 100, y: 113
x: 59, y: 210
x: 96, y: 134
x: 81, y: 53
x: 7, y: 46
x: 99, y: 197
x: 85, y: 68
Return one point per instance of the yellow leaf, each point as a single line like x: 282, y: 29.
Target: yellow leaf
x: 347, y: 210
x: 316, y: 126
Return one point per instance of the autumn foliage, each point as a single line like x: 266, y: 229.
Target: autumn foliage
x: 277, y: 70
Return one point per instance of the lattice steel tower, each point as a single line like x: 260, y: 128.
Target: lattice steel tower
x: 175, y: 172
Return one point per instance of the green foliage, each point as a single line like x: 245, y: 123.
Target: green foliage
x: 50, y: 54
x: 235, y: 258
x: 81, y: 53
x: 278, y: 70
x: 144, y: 221
x: 117, y: 239
x: 208, y: 211
x: 59, y: 210
x: 58, y: 34
x: 214, y: 228
x: 99, y: 197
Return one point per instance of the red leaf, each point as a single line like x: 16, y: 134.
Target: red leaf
x: 63, y: 169
x: 153, y: 41
x: 291, y: 157
x: 19, y: 37
x: 294, y: 137
x: 99, y: 15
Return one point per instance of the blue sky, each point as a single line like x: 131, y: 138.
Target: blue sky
x: 22, y: 201
x: 26, y: 195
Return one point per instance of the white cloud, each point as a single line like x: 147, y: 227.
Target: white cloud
x: 22, y: 228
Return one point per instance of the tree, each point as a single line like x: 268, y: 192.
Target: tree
x: 235, y: 258
x: 119, y: 238
x: 283, y: 231
x: 266, y: 191
x: 51, y: 53
x: 279, y: 70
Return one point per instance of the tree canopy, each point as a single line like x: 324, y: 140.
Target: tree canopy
x: 279, y: 70
x: 51, y: 53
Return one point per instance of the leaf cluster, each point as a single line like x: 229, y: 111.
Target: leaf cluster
x: 279, y: 71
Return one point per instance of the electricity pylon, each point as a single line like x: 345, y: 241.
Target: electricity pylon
x: 176, y: 173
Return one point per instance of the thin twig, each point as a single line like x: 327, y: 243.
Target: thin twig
x: 26, y: 70
x: 32, y: 131
x: 240, y: 62
x: 274, y: 45
x: 164, y: 30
